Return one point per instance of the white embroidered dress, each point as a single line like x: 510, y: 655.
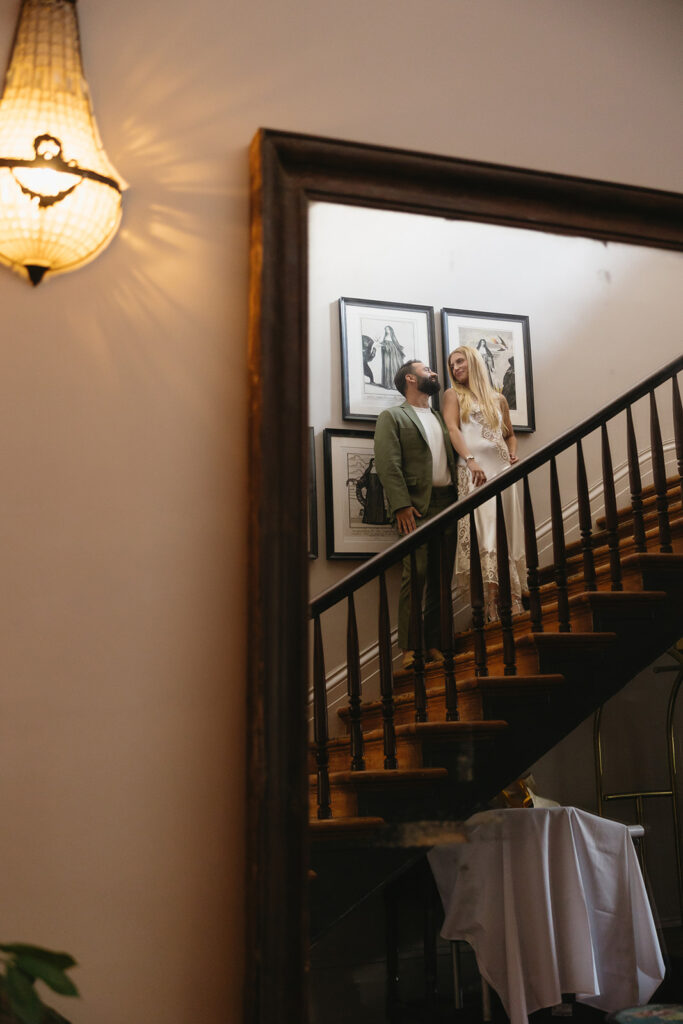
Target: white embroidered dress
x: 491, y: 452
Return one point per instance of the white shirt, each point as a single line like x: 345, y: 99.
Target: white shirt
x: 441, y: 476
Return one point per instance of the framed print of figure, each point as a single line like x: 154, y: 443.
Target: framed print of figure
x: 376, y: 339
x: 502, y: 340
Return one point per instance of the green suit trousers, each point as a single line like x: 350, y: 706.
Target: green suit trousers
x: 428, y: 566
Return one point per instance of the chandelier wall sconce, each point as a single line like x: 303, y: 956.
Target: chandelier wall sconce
x: 60, y: 196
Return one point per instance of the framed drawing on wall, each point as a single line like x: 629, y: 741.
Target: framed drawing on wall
x: 312, y: 497
x: 356, y: 518
x: 502, y: 340
x: 376, y: 338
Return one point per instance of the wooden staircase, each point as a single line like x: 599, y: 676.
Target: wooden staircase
x: 445, y: 738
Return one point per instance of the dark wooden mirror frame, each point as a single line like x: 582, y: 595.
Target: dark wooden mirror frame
x: 287, y: 172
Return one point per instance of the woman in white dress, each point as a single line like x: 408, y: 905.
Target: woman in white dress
x: 478, y: 421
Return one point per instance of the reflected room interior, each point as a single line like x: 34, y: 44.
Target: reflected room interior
x: 601, y: 316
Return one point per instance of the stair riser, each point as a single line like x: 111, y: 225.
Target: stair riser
x: 576, y: 583
x: 409, y: 754
x: 626, y: 540
x: 469, y: 709
x: 474, y: 705
x: 344, y: 803
x: 625, y: 516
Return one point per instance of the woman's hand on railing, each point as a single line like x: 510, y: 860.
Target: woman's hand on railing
x: 405, y: 520
x: 477, y: 473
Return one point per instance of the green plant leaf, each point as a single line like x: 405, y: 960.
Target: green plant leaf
x: 24, y: 1000
x: 52, y: 1017
x: 47, y: 972
x: 61, y: 960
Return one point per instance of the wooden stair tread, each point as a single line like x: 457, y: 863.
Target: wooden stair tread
x: 559, y: 639
x: 400, y: 699
x: 453, y: 729
x: 427, y: 729
x: 660, y: 559
x: 388, y: 776
x: 617, y: 597
x: 345, y: 826
x: 527, y: 639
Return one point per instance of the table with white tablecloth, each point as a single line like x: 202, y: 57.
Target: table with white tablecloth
x: 552, y: 901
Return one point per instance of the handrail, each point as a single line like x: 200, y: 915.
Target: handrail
x: 379, y: 563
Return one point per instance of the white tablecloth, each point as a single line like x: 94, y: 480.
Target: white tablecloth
x: 551, y: 900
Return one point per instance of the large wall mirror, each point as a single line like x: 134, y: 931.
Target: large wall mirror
x: 595, y: 269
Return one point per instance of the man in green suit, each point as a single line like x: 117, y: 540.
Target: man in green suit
x: 416, y: 464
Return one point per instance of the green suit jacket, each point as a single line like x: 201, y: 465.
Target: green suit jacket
x: 403, y: 458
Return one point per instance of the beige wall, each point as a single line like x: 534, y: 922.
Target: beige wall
x: 124, y: 423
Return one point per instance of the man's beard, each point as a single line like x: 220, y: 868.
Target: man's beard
x: 428, y: 386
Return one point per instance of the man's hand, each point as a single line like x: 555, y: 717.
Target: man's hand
x: 405, y: 520
x: 478, y: 474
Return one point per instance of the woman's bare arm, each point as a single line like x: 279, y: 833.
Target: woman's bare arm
x: 510, y: 439
x: 451, y: 415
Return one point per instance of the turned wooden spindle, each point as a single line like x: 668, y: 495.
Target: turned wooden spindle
x: 354, y: 689
x: 386, y: 677
x: 320, y: 736
x: 446, y: 611
x: 635, y: 484
x: 585, y: 521
x: 477, y: 602
x: 504, y: 590
x: 678, y: 428
x: 659, y: 477
x: 611, y: 518
x: 531, y: 550
x: 416, y: 641
x: 559, y: 550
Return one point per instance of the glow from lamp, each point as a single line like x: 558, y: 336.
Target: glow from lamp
x: 60, y: 196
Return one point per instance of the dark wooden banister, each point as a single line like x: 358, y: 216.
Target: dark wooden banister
x: 379, y: 563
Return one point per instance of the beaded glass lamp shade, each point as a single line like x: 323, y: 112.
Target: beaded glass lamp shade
x: 60, y: 196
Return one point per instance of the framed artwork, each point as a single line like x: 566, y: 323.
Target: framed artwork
x: 377, y: 338
x: 356, y: 517
x: 502, y: 340
x: 312, y: 497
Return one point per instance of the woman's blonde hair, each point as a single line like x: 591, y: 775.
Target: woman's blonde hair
x: 478, y: 390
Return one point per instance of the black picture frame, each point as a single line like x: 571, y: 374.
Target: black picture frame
x: 370, y: 358
x: 506, y: 344
x: 348, y: 457
x: 312, y: 497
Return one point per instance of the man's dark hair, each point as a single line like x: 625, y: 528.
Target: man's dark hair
x: 400, y: 378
